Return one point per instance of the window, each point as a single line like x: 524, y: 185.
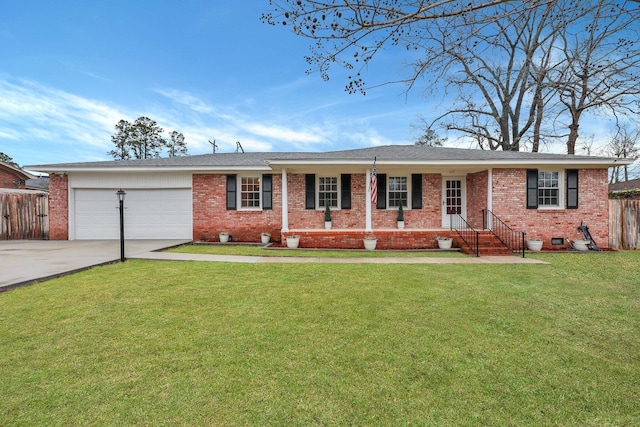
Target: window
x: 548, y: 189
x: 250, y: 192
x: 398, y: 191
x: 328, y: 192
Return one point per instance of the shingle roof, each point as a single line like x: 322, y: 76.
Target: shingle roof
x: 385, y: 154
x: 632, y: 184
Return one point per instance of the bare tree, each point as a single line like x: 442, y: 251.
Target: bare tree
x: 623, y: 144
x: 518, y: 68
x: 351, y: 32
x: 600, y: 64
x: 427, y: 137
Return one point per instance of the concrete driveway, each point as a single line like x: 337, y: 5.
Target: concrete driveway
x: 27, y: 261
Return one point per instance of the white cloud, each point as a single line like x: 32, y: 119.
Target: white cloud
x: 186, y: 99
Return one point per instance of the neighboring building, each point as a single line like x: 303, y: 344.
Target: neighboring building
x: 630, y: 188
x: 40, y: 183
x: 195, y: 197
x: 13, y: 177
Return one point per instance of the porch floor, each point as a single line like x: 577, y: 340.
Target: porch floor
x: 388, y: 238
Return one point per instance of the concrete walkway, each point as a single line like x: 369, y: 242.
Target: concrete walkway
x: 27, y: 261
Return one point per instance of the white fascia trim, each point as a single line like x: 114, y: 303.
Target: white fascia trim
x: 447, y: 163
x: 202, y: 169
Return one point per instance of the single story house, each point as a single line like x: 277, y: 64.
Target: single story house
x: 627, y: 189
x: 195, y: 197
x: 13, y: 177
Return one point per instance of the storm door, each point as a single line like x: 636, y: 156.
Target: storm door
x: 453, y: 199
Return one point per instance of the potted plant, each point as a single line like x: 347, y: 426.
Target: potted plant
x: 534, y: 244
x: 327, y: 216
x: 224, y: 236
x: 370, y: 243
x: 293, y: 241
x: 444, y: 242
x: 400, y: 216
x: 265, y: 237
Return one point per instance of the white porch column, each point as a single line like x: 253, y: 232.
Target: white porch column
x: 285, y: 202
x: 489, y: 196
x: 367, y: 226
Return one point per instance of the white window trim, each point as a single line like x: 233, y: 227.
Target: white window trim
x: 339, y: 189
x: 561, y: 191
x: 239, y: 193
x: 395, y: 208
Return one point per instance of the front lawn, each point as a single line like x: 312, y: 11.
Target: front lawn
x: 196, y: 343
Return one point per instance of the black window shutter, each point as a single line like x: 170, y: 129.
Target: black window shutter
x: 572, y: 188
x: 345, y: 196
x: 267, y: 191
x: 310, y: 191
x: 416, y: 191
x: 382, y: 191
x: 231, y: 192
x: 532, y: 188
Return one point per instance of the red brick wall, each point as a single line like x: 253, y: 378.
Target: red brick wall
x: 387, y: 239
x: 509, y: 203
x: 477, y: 188
x: 10, y: 180
x: 58, y: 207
x: 430, y: 216
x: 210, y: 215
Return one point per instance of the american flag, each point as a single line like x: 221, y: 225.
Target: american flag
x: 374, y: 184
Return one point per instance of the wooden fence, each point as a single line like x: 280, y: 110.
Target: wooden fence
x: 624, y: 224
x: 24, y: 216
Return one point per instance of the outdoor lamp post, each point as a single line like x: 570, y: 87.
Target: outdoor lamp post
x: 120, y: 193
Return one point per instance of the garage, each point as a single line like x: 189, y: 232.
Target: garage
x: 149, y: 214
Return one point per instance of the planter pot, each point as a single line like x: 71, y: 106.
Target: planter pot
x: 444, y: 243
x: 224, y: 238
x: 400, y: 225
x: 370, y: 244
x: 265, y: 238
x: 293, y: 242
x: 534, y: 245
x: 581, y: 245
x: 327, y: 225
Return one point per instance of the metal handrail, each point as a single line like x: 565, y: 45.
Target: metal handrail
x: 514, y: 240
x: 466, y: 232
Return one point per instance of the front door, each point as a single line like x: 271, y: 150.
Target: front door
x: 453, y: 199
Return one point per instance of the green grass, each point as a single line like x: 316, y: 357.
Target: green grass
x: 172, y: 343
x: 254, y: 250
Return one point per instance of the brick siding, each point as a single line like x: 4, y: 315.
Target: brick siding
x: 210, y: 215
x: 58, y: 207
x: 510, y: 205
x: 9, y: 179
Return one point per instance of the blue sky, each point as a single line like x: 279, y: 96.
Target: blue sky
x: 70, y: 70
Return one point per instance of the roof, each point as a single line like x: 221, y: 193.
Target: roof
x: 632, y: 184
x: 390, y: 155
x: 22, y: 174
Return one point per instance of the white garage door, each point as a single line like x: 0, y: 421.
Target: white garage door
x: 148, y: 214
